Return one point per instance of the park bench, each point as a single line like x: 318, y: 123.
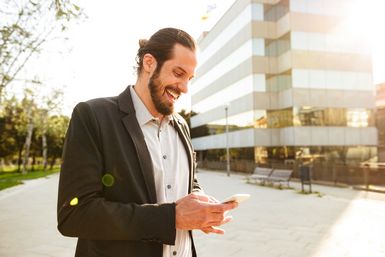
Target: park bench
x: 260, y: 175
x: 280, y: 176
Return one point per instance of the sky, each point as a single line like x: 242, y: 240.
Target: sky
x: 103, y: 47
x: 98, y: 59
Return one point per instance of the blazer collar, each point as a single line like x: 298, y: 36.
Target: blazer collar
x: 125, y: 101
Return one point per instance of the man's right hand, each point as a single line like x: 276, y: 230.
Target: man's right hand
x: 196, y: 211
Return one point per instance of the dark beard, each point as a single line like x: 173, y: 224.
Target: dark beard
x: 156, y: 95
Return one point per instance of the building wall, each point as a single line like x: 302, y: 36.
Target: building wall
x: 292, y: 78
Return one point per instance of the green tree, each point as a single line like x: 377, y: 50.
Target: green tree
x: 56, y: 132
x: 23, y: 126
x: 25, y: 26
x: 187, y: 116
x: 49, y: 104
x: 13, y: 129
x: 8, y: 135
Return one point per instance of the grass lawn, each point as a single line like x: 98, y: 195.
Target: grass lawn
x: 13, y: 178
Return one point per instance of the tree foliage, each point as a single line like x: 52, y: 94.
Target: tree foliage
x: 25, y: 26
x: 24, y: 123
x: 187, y: 116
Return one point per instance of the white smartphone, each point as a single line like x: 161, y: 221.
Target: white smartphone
x: 237, y: 198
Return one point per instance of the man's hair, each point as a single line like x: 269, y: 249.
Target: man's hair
x: 161, y: 45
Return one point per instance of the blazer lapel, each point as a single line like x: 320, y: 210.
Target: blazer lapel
x: 132, y: 126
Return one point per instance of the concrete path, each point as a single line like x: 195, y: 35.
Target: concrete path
x: 28, y: 221
x: 274, y: 222
x: 342, y: 222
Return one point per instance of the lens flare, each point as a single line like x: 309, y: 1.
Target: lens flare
x: 108, y: 180
x: 74, y: 201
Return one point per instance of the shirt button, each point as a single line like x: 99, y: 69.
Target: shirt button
x: 174, y: 253
x: 165, y: 157
x: 169, y: 186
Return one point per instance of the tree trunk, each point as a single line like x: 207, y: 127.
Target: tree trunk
x: 27, y: 147
x: 33, y: 162
x: 2, y: 164
x: 45, y: 150
x: 19, y: 159
x: 52, y: 162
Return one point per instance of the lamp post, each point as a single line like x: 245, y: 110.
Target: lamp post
x: 227, y: 142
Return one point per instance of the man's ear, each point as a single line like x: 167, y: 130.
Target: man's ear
x: 149, y: 63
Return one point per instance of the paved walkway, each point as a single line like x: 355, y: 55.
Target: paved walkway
x: 28, y: 221
x: 342, y: 222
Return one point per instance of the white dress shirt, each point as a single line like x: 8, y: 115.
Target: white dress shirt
x: 170, y: 165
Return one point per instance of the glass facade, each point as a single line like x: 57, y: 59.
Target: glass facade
x: 335, y: 154
x: 332, y: 79
x: 279, y: 82
x: 277, y: 47
x: 327, y: 42
x: 321, y: 7
x: 286, y: 86
x: 226, y: 95
x: 316, y: 116
x: 289, y: 117
x: 313, y: 116
x: 235, y: 122
x: 276, y: 11
x: 333, y: 163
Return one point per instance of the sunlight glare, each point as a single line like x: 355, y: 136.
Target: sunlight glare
x: 365, y: 19
x: 364, y: 23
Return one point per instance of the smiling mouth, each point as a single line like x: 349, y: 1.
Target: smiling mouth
x: 174, y: 94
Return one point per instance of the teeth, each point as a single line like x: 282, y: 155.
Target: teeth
x: 173, y: 93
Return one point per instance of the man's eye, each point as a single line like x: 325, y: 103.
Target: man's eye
x: 178, y: 74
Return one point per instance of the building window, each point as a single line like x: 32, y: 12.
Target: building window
x: 276, y: 11
x: 280, y: 118
x: 339, y: 117
x: 277, y: 47
x: 358, y: 118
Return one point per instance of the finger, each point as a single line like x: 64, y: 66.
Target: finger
x: 203, y: 198
x: 230, y: 206
x: 206, y: 198
x: 227, y: 219
x: 213, y: 229
x: 219, y: 222
x: 206, y: 230
x: 213, y: 200
x: 223, y: 207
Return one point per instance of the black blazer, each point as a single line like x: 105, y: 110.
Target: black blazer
x: 121, y: 217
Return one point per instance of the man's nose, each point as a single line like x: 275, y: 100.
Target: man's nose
x: 183, y: 86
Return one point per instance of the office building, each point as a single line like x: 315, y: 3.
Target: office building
x: 296, y: 84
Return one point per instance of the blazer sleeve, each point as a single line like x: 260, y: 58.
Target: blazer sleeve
x: 82, y: 210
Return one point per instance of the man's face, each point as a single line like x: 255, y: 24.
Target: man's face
x: 168, y: 83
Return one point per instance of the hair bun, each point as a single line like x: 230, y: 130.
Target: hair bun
x: 142, y: 42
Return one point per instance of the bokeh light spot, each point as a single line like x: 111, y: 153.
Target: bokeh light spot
x: 74, y: 201
x: 108, y: 180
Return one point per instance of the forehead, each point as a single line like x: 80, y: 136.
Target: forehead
x: 184, y: 58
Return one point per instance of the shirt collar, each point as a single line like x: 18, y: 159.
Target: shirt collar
x: 142, y: 114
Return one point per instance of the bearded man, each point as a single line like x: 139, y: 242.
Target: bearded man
x: 127, y: 185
